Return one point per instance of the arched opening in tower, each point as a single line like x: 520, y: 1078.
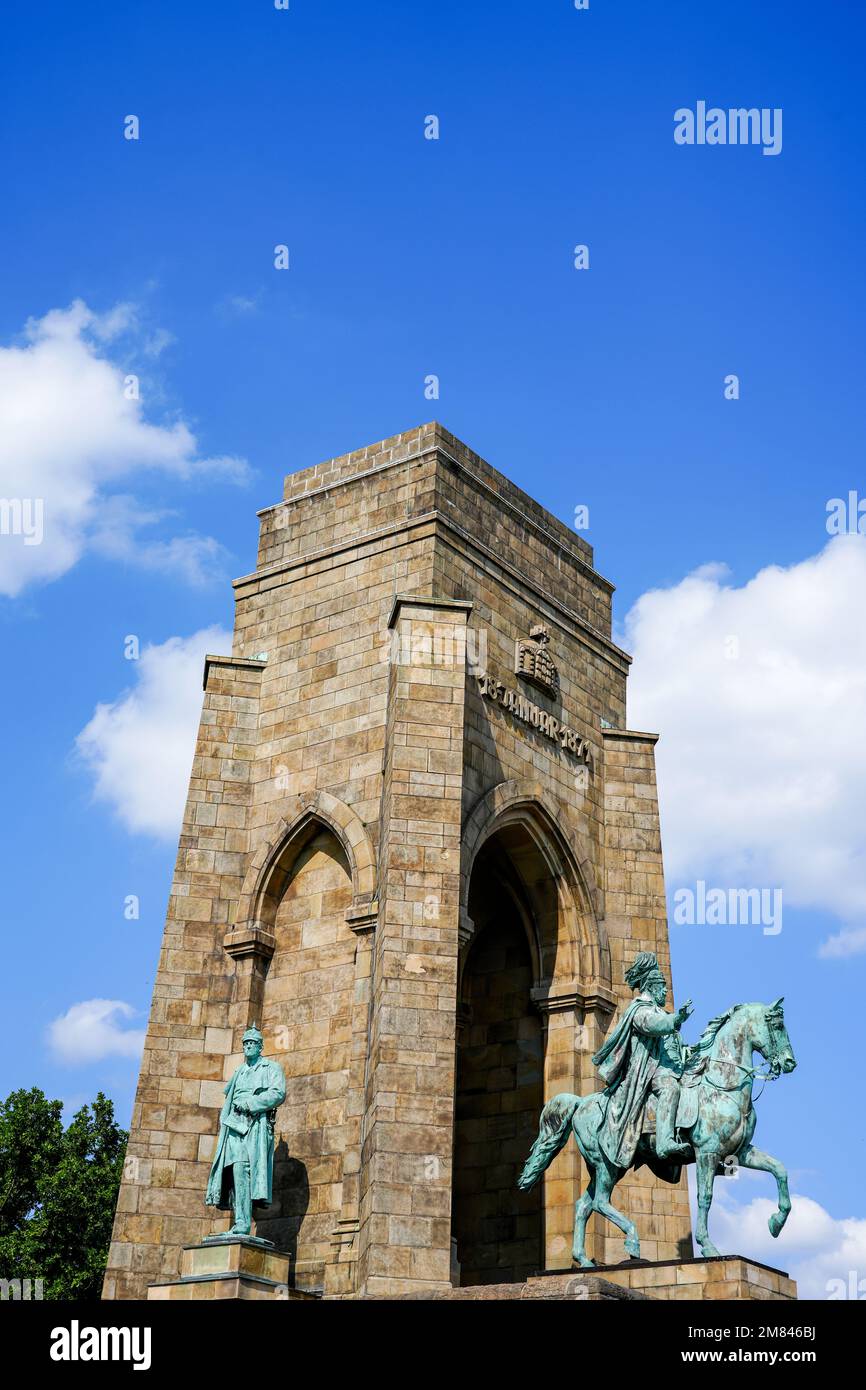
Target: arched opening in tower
x: 500, y: 1065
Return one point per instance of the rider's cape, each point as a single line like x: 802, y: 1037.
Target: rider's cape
x: 627, y: 1061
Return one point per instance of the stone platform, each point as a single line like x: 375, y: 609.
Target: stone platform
x: 230, y: 1269
x: 247, y: 1269
x: 720, y: 1277
x: 577, y: 1287
x: 715, y: 1277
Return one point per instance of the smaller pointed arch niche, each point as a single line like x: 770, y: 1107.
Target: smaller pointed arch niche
x: 307, y: 1010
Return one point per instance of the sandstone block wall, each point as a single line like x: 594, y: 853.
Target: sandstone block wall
x: 354, y: 789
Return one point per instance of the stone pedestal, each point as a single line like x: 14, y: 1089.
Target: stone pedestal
x: 723, y: 1277
x: 720, y: 1277
x: 234, y: 1268
x: 560, y: 1289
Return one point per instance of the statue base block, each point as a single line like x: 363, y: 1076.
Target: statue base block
x: 707, y: 1277
x: 230, y: 1267
x: 226, y: 1237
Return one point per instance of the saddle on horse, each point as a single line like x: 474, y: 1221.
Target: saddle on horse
x: 687, y: 1105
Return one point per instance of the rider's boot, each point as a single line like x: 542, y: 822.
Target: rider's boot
x: 667, y: 1145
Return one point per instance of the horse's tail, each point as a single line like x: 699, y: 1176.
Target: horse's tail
x: 553, y: 1134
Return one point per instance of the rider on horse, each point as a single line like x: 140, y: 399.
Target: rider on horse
x: 642, y: 1056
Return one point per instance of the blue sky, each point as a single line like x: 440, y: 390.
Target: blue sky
x: 603, y: 387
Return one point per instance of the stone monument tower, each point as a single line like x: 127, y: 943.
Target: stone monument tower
x: 420, y: 847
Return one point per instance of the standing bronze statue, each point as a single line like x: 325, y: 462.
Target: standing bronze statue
x: 242, y: 1173
x: 703, y: 1105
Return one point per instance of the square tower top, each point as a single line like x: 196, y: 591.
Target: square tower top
x: 423, y: 442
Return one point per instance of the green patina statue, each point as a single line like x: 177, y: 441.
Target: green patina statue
x: 701, y: 1093
x: 242, y: 1173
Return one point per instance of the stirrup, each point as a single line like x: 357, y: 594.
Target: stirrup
x: 676, y: 1150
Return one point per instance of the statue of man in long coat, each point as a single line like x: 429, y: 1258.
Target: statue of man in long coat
x: 643, y: 1055
x: 242, y: 1173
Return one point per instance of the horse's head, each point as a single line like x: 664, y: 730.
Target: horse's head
x: 772, y: 1040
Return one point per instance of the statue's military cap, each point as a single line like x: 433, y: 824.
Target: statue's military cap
x: 645, y: 967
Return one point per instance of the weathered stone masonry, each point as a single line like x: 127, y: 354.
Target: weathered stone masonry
x: 420, y: 892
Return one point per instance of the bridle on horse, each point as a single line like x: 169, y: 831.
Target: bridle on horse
x: 771, y: 1074
x: 772, y: 1064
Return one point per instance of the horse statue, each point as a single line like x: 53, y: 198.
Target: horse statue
x: 715, y: 1118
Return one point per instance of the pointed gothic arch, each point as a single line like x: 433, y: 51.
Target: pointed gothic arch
x: 534, y: 992
x: 271, y: 866
x: 561, y: 893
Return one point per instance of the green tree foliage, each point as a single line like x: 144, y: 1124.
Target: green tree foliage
x: 58, y: 1189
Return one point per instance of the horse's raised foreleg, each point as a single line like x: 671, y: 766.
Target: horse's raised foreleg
x: 706, y: 1165
x: 750, y: 1157
x: 605, y: 1182
x: 582, y: 1209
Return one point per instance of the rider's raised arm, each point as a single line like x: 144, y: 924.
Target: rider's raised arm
x: 654, y: 1022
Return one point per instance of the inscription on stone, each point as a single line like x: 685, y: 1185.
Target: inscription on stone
x: 535, y: 717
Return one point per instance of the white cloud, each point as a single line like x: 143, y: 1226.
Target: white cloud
x: 759, y: 693
x: 139, y: 748
x: 156, y: 343
x: 826, y: 1255
x: 851, y: 941
x: 239, y: 305
x: 197, y: 560
x: 92, y: 1030
x: 70, y: 432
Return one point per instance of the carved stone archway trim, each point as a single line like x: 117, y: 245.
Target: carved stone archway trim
x: 561, y: 881
x: 527, y: 803
x: 252, y: 932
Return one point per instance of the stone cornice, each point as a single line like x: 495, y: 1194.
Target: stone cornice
x: 629, y: 735
x: 596, y: 997
x: 235, y: 663
x: 558, y: 606
x: 556, y: 611
x: 420, y: 601
x: 250, y: 940
x: 549, y: 536
x: 310, y: 557
x: 362, y: 917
